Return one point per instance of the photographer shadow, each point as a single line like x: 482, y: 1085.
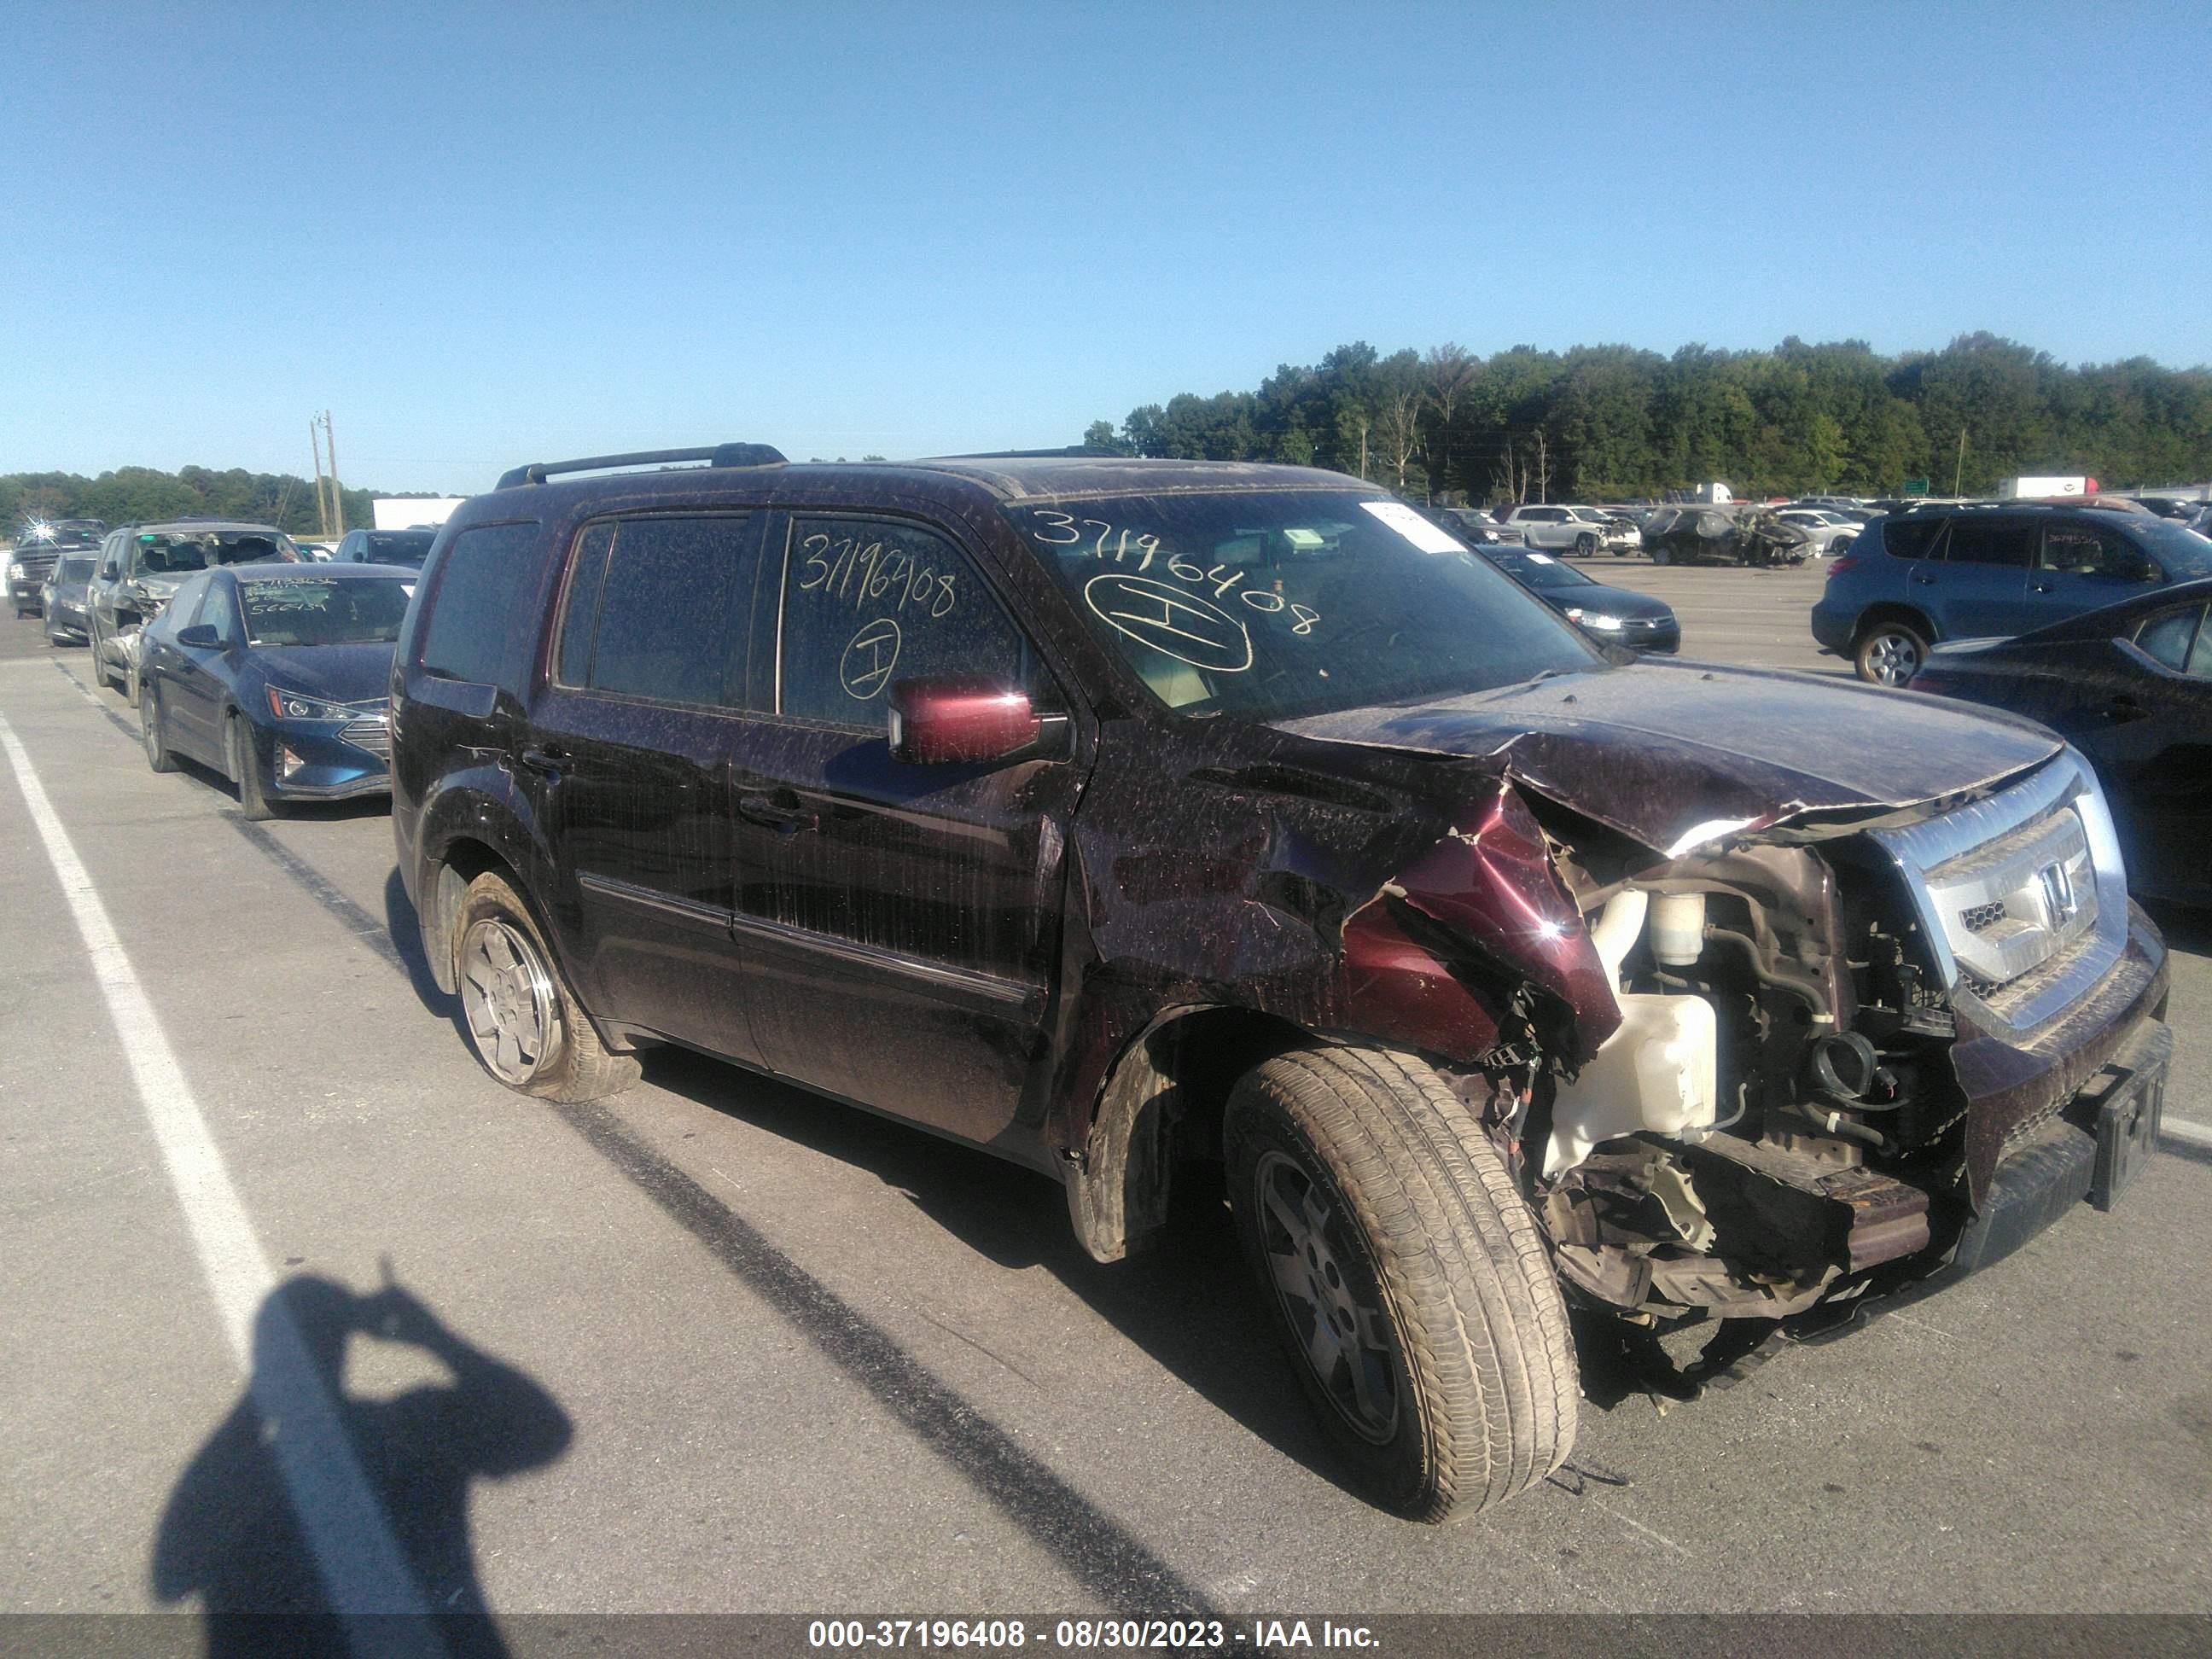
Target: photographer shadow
x: 310, y: 1509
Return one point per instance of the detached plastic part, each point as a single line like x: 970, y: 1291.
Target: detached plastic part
x: 1659, y: 1072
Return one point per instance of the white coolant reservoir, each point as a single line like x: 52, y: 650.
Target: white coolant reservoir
x: 1658, y: 1071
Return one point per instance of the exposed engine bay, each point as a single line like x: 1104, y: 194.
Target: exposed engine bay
x: 1774, y: 1118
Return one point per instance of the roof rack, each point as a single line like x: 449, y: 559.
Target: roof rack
x: 537, y: 472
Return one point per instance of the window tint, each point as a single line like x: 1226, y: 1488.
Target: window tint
x: 1909, y: 538
x: 2166, y: 638
x: 2200, y: 656
x: 481, y: 622
x: 665, y: 605
x: 581, y: 609
x: 2009, y: 542
x: 2081, y: 551
x: 868, y: 602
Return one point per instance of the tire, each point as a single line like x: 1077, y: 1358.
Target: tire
x: 245, y: 767
x: 1412, y: 1227
x: 523, y: 1022
x: 133, y: 687
x: 1663, y: 554
x: 1585, y: 546
x: 100, y: 675
x: 154, y: 733
x: 1889, y: 653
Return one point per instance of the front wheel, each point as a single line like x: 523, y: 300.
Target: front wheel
x: 1663, y: 554
x: 1407, y: 1280
x: 1585, y: 546
x: 244, y: 764
x: 1890, y: 653
x: 153, y: 732
x: 521, y: 1018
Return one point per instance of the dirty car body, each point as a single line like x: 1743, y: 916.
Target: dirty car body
x: 1720, y: 995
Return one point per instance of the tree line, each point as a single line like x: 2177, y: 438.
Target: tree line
x: 142, y: 495
x: 1610, y: 422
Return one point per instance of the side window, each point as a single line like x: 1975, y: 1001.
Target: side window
x: 581, y: 609
x: 2009, y: 542
x: 1909, y: 538
x: 220, y: 612
x: 663, y: 615
x: 182, y: 612
x: 2081, y: 551
x: 481, y: 622
x: 868, y: 602
x: 2166, y: 638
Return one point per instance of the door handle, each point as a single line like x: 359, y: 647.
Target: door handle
x: 2122, y: 710
x: 546, y: 763
x: 2043, y: 587
x: 1925, y: 581
x: 780, y: 813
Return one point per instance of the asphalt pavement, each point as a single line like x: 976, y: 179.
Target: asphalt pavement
x: 719, y: 1346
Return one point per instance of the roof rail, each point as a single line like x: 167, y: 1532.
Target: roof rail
x: 1072, y: 451
x: 537, y: 473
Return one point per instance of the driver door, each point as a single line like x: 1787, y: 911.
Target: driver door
x: 899, y: 922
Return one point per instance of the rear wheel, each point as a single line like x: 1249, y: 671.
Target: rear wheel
x: 153, y: 732
x: 1408, y: 1280
x: 522, y: 1020
x: 1890, y: 653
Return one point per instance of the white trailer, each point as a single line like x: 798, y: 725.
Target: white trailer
x: 407, y: 511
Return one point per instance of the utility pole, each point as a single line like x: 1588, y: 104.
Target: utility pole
x: 1957, y: 472
x: 337, y: 498
x: 322, y: 507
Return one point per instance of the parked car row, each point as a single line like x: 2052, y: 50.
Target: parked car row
x: 2084, y: 619
x: 1162, y: 825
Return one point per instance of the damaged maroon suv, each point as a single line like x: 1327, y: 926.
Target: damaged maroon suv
x: 1152, y: 822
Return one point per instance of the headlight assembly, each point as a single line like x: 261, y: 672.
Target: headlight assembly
x: 291, y: 706
x: 1592, y: 619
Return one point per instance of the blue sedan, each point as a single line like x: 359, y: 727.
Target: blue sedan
x: 276, y: 675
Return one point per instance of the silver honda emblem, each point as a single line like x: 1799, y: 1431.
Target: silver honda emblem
x: 2058, y: 896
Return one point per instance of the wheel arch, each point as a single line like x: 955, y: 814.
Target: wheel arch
x: 1160, y: 1107
x: 1893, y: 610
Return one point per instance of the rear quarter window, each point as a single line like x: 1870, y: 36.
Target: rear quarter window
x: 1909, y: 538
x: 484, y: 614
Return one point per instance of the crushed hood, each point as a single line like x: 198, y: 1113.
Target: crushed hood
x: 1677, y: 753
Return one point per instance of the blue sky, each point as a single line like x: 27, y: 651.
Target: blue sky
x: 483, y: 235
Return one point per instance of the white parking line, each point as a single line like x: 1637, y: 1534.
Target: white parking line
x: 2189, y: 1135
x: 360, y: 1564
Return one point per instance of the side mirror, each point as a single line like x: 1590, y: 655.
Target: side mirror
x: 201, y: 637
x: 937, y: 721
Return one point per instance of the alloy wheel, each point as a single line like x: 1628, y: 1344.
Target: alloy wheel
x: 1343, y: 1333
x: 1894, y: 658
x: 507, y: 997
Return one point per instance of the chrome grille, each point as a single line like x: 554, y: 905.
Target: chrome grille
x: 369, y: 732
x: 2021, y: 896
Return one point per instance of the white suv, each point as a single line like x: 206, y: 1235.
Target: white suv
x: 1578, y: 530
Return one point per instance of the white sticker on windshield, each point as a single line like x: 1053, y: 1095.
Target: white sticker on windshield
x: 1415, y: 528
x: 1541, y: 558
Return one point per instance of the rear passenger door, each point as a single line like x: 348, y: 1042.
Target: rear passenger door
x: 1975, y: 583
x: 2079, y: 567
x: 628, y: 749
x: 900, y: 922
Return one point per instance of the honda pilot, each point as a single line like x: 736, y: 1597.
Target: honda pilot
x: 1154, y: 822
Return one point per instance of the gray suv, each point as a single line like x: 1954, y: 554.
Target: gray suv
x: 142, y: 567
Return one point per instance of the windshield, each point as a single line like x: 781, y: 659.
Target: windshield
x: 323, y: 610
x: 2179, y: 550
x: 1278, y: 604
x: 74, y: 570
x: 1539, y: 570
x: 172, y: 556
x: 398, y: 547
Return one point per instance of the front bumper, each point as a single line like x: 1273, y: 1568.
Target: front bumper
x: 329, y: 767
x: 25, y: 593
